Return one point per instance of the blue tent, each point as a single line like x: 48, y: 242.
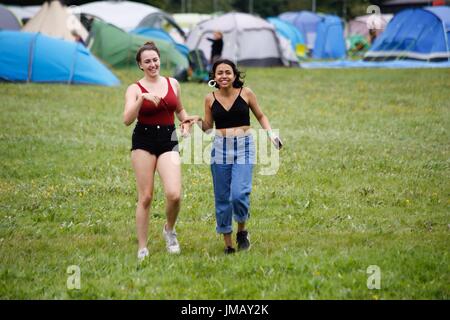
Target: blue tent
x: 419, y: 34
x: 288, y: 31
x: 160, y: 34
x: 306, y: 22
x: 330, y: 42
x: 34, y: 57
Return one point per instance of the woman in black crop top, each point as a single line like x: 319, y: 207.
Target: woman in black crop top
x: 233, y: 151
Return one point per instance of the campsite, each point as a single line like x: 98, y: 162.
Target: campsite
x: 362, y: 179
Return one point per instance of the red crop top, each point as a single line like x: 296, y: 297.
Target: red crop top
x: 163, y: 114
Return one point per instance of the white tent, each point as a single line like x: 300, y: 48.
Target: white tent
x: 128, y: 15
x: 56, y: 21
x: 248, y: 40
x: 361, y: 25
x: 123, y: 14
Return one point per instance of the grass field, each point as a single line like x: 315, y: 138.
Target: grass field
x: 363, y: 180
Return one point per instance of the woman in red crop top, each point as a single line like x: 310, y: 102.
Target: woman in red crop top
x: 233, y: 150
x: 153, y: 101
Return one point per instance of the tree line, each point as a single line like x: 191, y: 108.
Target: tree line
x: 264, y: 8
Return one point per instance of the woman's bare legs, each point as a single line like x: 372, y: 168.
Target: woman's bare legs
x: 144, y: 165
x: 169, y: 169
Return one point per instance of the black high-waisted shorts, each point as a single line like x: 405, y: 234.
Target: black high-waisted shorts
x: 156, y: 139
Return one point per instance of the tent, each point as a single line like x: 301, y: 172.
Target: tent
x: 56, y: 21
x: 290, y: 32
x: 361, y: 25
x: 306, y: 22
x: 34, y: 57
x: 118, y: 48
x: 421, y: 34
x: 161, y: 34
x: 24, y: 13
x: 330, y: 42
x: 8, y: 20
x: 128, y: 15
x: 248, y: 40
x: 394, y: 6
x: 188, y: 21
x: 324, y: 34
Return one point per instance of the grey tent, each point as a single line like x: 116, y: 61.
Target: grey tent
x: 248, y: 40
x: 8, y: 20
x: 24, y: 13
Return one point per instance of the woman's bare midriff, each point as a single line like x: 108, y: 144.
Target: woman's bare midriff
x: 233, y: 132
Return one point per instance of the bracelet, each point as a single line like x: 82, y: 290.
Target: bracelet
x: 269, y: 133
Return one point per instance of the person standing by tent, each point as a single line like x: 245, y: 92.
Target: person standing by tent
x: 216, y: 46
x: 153, y: 101
x: 372, y: 35
x: 233, y: 150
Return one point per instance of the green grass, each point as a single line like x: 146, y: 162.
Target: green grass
x: 363, y: 180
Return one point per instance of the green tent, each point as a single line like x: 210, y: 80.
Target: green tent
x: 118, y: 48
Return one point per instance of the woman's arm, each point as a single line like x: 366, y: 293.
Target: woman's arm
x: 182, y: 115
x: 261, y: 117
x: 133, y: 103
x: 207, y: 123
x: 179, y: 111
x: 254, y: 106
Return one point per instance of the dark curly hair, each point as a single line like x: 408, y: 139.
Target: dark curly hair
x: 238, y: 82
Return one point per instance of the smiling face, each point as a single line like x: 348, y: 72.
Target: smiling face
x: 150, y: 62
x: 224, y: 75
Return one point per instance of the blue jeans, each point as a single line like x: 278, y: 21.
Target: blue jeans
x: 232, y: 161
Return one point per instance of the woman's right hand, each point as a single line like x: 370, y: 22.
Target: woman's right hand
x: 152, y: 98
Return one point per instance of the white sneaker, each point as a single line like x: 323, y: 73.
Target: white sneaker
x: 142, y: 254
x: 171, y: 241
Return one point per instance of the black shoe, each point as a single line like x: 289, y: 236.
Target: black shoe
x: 242, y: 240
x: 229, y: 250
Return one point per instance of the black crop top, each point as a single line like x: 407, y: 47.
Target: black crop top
x: 238, y: 115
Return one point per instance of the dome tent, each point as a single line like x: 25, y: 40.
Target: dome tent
x: 34, y: 57
x: 306, y: 22
x: 290, y: 32
x: 361, y: 25
x: 160, y: 34
x: 129, y: 15
x: 419, y: 34
x: 24, y: 13
x: 324, y: 34
x: 8, y: 20
x: 54, y: 20
x: 248, y: 40
x: 330, y: 42
x: 118, y: 48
